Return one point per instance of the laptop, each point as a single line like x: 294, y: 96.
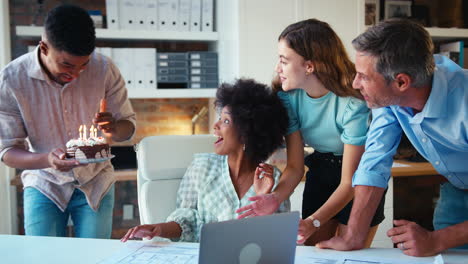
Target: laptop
x: 262, y: 239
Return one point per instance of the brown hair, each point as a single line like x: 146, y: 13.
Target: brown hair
x: 316, y: 41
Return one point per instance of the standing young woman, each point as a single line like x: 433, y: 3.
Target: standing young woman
x: 326, y: 113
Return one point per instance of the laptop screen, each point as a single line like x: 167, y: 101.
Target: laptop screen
x: 261, y: 239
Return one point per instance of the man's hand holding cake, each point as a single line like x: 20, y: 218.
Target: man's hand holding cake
x: 56, y: 160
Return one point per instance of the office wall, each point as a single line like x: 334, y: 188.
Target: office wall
x: 261, y: 22
x: 346, y: 17
x: 168, y: 117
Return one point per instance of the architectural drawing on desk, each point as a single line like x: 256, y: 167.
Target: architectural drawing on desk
x: 317, y: 256
x: 353, y: 261
x: 148, y: 253
x: 364, y: 260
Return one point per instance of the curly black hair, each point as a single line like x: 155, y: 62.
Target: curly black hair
x: 258, y: 115
x: 69, y: 28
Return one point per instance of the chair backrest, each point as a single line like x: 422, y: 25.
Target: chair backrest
x: 162, y: 162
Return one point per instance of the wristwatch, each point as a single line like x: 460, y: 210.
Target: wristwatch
x: 315, y: 222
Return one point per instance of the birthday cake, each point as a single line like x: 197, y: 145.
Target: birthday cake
x: 92, y: 147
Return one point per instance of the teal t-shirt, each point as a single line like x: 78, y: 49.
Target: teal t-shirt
x: 328, y: 122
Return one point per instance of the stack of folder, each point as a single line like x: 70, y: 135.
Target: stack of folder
x: 172, y: 69
x: 163, y: 15
x: 203, y: 69
x: 137, y: 66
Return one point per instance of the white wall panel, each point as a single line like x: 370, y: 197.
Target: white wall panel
x: 260, y: 23
x: 346, y: 17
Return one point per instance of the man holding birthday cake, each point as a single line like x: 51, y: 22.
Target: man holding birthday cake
x: 45, y: 97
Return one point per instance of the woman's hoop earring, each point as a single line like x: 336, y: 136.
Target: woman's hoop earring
x: 243, y: 147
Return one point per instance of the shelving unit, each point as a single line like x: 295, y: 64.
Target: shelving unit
x: 172, y: 93
x: 108, y: 34
x: 448, y: 33
x: 142, y: 35
x: 440, y: 34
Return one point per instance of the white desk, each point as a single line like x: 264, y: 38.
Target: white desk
x: 27, y: 249
x: 55, y: 250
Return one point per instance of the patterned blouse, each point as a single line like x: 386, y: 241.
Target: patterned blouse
x: 206, y: 194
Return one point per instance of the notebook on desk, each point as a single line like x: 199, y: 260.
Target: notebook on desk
x: 262, y: 239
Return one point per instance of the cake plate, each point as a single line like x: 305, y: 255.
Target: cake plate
x: 88, y: 161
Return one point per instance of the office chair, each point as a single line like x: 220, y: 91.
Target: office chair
x: 162, y: 162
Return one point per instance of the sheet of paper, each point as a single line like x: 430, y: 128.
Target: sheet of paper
x: 439, y: 259
x: 138, y: 252
x: 356, y: 260
x: 155, y: 253
x: 367, y: 256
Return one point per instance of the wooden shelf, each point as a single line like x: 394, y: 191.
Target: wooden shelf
x: 109, y: 34
x: 408, y: 169
x: 445, y: 33
x: 126, y: 175
x: 413, y: 169
x: 120, y: 175
x: 172, y: 93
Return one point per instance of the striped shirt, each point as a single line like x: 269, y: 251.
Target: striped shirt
x: 38, y: 114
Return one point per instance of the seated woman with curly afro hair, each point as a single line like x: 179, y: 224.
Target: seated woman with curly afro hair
x: 252, y: 124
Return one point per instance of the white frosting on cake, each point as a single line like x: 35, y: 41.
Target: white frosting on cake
x: 79, y: 154
x: 86, y: 142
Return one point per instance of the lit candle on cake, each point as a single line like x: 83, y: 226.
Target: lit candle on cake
x: 84, y: 132
x: 95, y: 132
x: 91, y: 131
x: 80, y: 130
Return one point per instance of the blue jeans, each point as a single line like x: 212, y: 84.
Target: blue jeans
x: 43, y: 218
x: 452, y: 208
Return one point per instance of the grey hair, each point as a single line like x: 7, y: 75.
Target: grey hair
x: 399, y: 46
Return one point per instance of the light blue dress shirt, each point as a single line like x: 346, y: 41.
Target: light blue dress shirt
x: 328, y: 122
x: 439, y: 132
